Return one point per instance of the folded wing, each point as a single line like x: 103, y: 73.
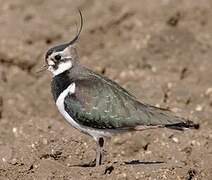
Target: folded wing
x: 101, y: 103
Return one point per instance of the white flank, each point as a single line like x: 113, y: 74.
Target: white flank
x: 95, y: 133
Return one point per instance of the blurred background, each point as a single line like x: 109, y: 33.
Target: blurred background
x: 159, y: 50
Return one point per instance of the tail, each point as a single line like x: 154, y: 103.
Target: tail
x: 163, y: 118
x: 183, y: 125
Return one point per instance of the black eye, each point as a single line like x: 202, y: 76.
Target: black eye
x: 57, y: 57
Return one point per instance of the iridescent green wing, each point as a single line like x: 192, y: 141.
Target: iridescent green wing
x: 101, y: 103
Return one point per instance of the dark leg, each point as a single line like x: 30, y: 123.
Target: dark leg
x: 100, y: 144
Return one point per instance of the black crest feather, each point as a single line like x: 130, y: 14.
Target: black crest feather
x: 65, y: 45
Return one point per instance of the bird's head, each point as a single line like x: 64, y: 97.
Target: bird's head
x: 63, y: 57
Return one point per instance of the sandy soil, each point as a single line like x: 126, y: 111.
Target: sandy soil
x: 159, y: 50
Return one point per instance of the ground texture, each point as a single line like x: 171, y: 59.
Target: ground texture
x: 159, y: 50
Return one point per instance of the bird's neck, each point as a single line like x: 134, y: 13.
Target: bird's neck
x: 59, y: 83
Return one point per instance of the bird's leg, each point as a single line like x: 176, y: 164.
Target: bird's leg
x: 100, y: 144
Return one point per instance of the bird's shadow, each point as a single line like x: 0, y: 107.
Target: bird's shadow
x: 137, y: 162
x: 131, y: 162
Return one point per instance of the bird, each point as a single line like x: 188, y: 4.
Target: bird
x: 96, y: 105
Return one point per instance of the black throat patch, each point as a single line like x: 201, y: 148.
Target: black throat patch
x: 60, y: 83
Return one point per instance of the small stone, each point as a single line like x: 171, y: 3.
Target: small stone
x: 175, y: 139
x: 178, y: 178
x: 193, y: 142
x: 170, y: 85
x: 198, y: 143
x: 15, y: 131
x: 122, y: 152
x: 14, y: 161
x: 199, y: 108
x: 208, y: 91
x: 163, y: 143
x: 164, y: 176
x: 64, y: 140
x: 138, y: 175
x: 154, y: 69
x: 45, y: 141
x: 157, y: 105
x: 68, y: 165
x: 148, y: 152
x: 33, y: 146
x: 5, y: 153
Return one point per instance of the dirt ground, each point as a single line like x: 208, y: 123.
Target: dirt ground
x: 159, y: 50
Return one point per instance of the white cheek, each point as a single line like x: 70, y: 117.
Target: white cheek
x: 64, y: 66
x: 61, y: 68
x: 51, y: 63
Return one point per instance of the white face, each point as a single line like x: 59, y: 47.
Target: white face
x: 58, y: 62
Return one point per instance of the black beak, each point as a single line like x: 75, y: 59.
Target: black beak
x: 43, y: 68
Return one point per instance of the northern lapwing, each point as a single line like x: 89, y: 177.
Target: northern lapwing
x: 96, y: 105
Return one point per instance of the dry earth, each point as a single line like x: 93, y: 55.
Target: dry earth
x: 159, y: 50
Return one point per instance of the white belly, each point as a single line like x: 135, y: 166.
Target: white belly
x: 95, y: 133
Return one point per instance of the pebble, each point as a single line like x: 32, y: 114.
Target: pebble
x: 138, y: 175
x: 14, y: 161
x: 15, y: 131
x: 64, y: 140
x: 122, y: 152
x: 68, y: 165
x: 199, y: 108
x: 154, y: 69
x: 164, y: 176
x: 179, y: 178
x: 208, y: 91
x: 33, y: 146
x: 45, y: 141
x: 148, y: 152
x: 157, y: 105
x: 175, y: 139
x: 163, y: 144
x: 170, y: 85
x: 5, y: 153
x: 195, y: 143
